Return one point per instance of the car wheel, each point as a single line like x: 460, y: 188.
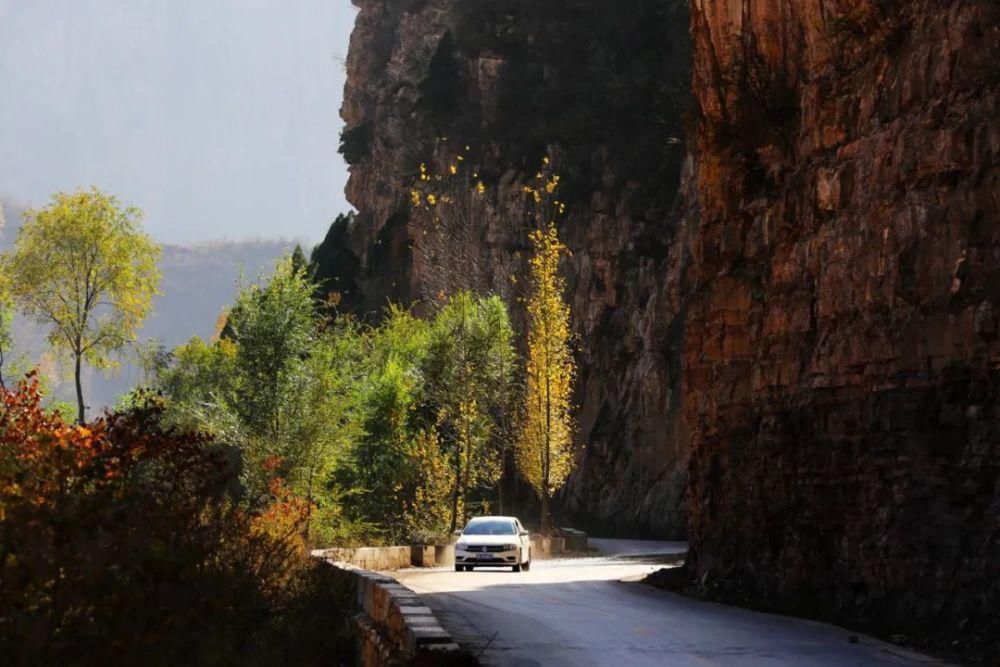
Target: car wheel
x: 517, y: 568
x: 468, y: 568
x: 459, y: 568
x: 527, y: 566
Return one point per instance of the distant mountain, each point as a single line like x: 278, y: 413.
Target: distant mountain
x: 198, y: 283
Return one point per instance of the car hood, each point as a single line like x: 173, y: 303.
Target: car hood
x: 488, y: 540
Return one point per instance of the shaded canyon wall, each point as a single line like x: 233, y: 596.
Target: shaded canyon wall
x: 798, y: 321
x: 842, y: 362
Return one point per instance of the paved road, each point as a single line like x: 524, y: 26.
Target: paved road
x: 592, y: 611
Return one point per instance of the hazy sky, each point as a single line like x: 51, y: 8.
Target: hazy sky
x: 219, y: 118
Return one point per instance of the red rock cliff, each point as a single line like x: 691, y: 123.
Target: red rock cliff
x: 842, y: 360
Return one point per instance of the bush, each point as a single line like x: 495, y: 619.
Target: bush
x: 119, y: 544
x: 356, y: 143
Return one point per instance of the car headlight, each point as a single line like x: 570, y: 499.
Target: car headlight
x: 462, y: 546
x: 510, y: 547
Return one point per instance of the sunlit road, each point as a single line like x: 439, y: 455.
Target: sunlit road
x: 580, y: 612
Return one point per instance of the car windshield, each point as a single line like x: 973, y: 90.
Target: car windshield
x: 498, y: 527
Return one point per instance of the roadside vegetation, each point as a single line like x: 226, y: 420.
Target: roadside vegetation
x: 124, y: 541
x: 196, y: 501
x: 386, y: 432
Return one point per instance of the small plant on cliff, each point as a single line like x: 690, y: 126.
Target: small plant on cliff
x: 356, y: 143
x: 544, y: 449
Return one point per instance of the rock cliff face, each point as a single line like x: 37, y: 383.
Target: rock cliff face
x: 841, y: 362
x: 600, y: 89
x: 803, y: 315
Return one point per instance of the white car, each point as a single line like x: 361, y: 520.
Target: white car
x: 493, y: 541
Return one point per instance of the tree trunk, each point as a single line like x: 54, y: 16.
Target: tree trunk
x: 81, y: 414
x: 545, y: 513
x: 458, y: 490
x: 468, y: 473
x: 503, y: 478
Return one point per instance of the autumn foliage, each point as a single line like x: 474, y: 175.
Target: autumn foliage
x: 121, y: 542
x: 544, y: 450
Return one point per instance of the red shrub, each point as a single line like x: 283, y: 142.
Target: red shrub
x: 120, y: 542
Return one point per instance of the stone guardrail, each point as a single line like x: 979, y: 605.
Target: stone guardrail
x: 382, y: 559
x: 392, y: 625
x: 575, y: 541
x: 439, y: 555
x: 389, y: 559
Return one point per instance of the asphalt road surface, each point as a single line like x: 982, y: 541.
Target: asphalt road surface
x: 592, y: 611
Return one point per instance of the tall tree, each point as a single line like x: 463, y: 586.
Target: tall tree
x: 468, y: 373
x: 83, y: 267
x: 274, y: 387
x: 544, y: 448
x: 299, y: 261
x: 274, y: 331
x: 6, y: 321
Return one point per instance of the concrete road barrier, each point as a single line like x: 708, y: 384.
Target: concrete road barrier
x: 565, y: 541
x: 390, y: 559
x: 444, y: 555
x: 575, y: 540
x: 540, y: 547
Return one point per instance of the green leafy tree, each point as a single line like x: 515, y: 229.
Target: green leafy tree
x: 468, y: 372
x: 299, y: 261
x: 327, y: 425
x: 83, y: 267
x: 277, y: 386
x: 377, y: 476
x: 199, y: 379
x: 273, y: 331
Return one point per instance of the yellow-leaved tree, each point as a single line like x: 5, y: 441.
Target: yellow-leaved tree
x: 428, y: 514
x: 83, y: 267
x: 544, y: 448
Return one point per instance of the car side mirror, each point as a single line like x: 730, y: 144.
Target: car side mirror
x: 457, y: 533
x: 524, y: 533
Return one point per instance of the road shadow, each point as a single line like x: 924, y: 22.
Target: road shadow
x: 585, y: 622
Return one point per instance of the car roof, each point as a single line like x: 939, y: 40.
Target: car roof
x: 492, y: 518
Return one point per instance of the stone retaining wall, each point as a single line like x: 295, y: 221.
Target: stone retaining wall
x: 392, y: 625
x: 383, y: 559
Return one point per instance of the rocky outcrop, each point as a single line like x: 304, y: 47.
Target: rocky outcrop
x: 841, y: 363
x: 601, y: 90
